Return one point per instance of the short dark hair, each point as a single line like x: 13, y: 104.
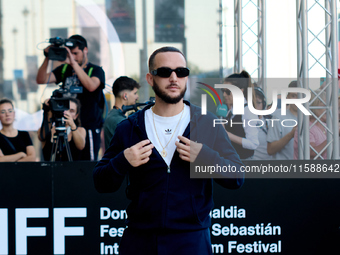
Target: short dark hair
x: 124, y: 83
x: 293, y: 84
x: 160, y: 50
x: 6, y: 101
x: 79, y: 42
x: 241, y: 80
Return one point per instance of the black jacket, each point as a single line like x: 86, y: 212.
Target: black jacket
x: 163, y: 200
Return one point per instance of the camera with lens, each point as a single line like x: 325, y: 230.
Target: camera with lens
x: 56, y: 52
x: 60, y: 99
x: 58, y: 104
x: 135, y: 107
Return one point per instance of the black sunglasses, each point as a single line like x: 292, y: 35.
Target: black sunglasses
x: 165, y: 72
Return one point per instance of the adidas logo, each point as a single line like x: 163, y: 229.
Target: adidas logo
x: 168, y: 131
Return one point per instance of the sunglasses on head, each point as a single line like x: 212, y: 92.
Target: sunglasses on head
x: 226, y: 91
x: 165, y: 72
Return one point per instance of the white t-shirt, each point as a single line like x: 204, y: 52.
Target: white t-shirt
x: 276, y: 131
x: 165, y: 128
x: 251, y: 140
x: 261, y: 151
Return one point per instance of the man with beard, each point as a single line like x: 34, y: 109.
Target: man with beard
x: 76, y: 70
x: 169, y: 212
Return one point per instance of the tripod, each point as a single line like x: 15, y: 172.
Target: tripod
x: 59, y: 141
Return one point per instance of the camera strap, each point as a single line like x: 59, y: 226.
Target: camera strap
x: 9, y: 143
x: 63, y: 71
x: 44, y: 124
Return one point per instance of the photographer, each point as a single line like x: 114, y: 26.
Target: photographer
x: 125, y: 91
x: 77, y: 71
x: 76, y: 135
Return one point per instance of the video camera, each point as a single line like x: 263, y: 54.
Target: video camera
x: 60, y: 99
x: 56, y: 52
x: 58, y: 102
x: 126, y: 108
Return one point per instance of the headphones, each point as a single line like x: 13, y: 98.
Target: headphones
x: 259, y: 92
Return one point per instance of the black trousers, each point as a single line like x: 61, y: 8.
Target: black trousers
x: 92, y: 145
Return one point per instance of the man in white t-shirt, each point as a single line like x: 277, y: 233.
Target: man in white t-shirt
x: 169, y: 211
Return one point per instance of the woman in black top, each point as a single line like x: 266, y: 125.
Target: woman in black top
x: 15, y: 145
x: 243, y: 136
x: 76, y: 135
